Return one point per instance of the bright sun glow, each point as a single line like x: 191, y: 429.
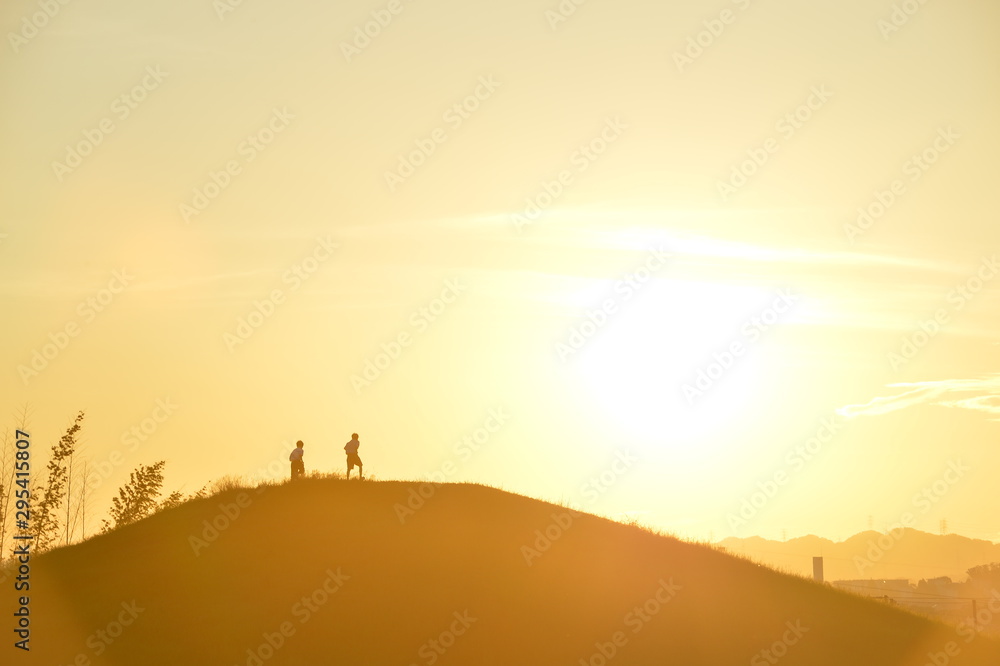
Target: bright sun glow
x: 643, y: 365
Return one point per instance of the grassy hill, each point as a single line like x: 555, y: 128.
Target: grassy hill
x: 326, y: 572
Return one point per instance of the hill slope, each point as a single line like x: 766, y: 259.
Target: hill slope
x: 328, y: 573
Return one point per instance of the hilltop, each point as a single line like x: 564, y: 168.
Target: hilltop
x: 335, y: 572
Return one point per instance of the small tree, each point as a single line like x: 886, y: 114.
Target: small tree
x: 139, y: 497
x: 46, y: 511
x: 987, y: 574
x: 175, y: 498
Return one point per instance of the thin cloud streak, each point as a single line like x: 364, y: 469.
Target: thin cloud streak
x: 931, y: 393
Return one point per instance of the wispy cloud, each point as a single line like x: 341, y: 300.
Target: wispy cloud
x: 980, y: 394
x: 637, y: 230
x: 984, y: 403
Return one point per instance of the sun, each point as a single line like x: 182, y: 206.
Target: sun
x: 677, y: 366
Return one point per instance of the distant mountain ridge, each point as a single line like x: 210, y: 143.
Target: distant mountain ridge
x: 904, y: 553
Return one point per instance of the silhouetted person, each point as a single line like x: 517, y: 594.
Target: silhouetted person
x: 298, y: 467
x: 352, y: 457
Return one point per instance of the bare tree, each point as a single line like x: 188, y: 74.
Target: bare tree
x: 69, y: 495
x: 75, y: 507
x: 82, y: 500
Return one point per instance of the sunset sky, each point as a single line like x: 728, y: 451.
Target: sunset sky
x: 625, y: 241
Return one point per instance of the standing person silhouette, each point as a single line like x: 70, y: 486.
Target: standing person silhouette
x: 298, y: 467
x: 352, y: 457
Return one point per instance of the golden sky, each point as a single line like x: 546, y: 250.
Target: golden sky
x: 725, y: 267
